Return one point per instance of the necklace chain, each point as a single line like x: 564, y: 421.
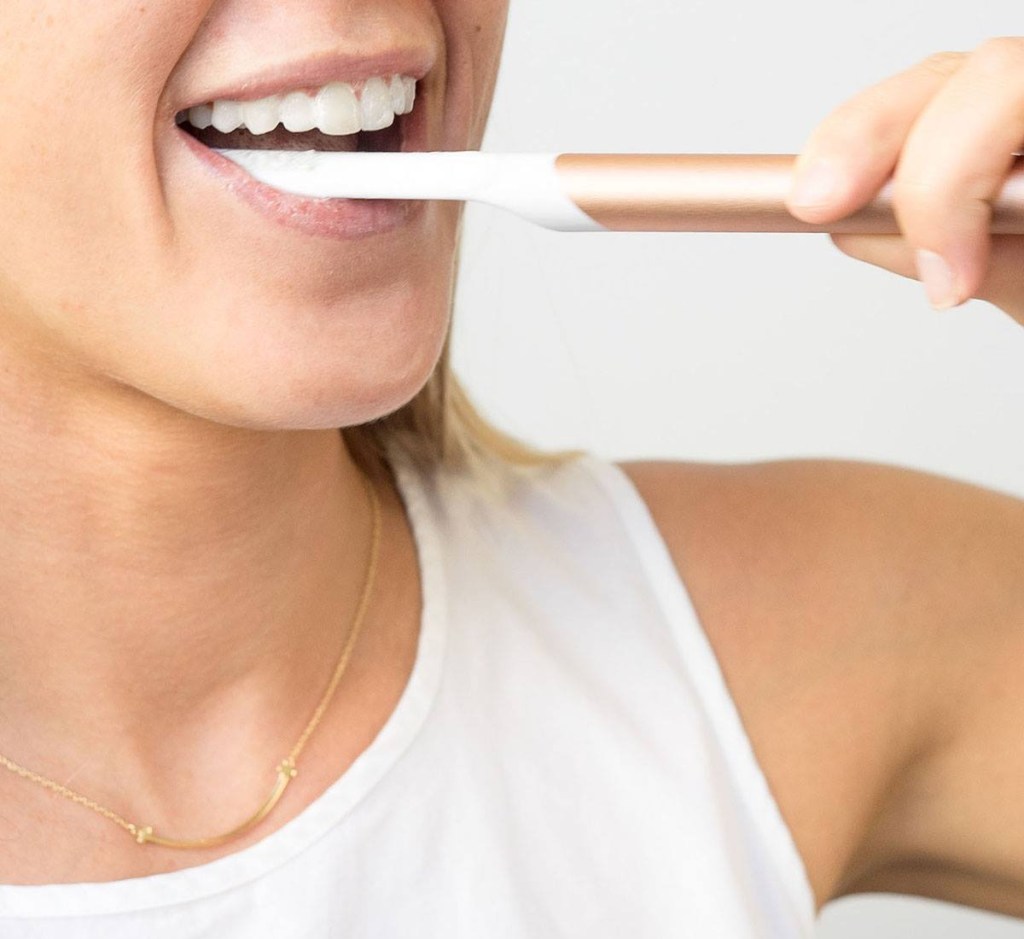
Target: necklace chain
x: 286, y: 769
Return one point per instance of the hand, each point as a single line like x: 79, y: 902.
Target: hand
x: 946, y: 130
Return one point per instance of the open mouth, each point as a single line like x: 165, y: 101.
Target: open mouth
x: 374, y: 115
x: 389, y: 139
x: 338, y: 117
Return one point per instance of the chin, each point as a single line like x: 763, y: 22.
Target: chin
x: 300, y: 365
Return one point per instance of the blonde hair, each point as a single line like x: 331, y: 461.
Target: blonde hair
x: 442, y: 428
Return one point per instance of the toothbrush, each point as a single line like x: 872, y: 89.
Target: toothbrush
x: 593, y: 192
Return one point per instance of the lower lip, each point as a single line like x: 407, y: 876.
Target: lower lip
x: 342, y: 219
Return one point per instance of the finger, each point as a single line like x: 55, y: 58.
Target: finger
x: 859, y: 143
x: 1003, y: 287
x: 1004, y: 284
x: 891, y: 252
x: 956, y: 162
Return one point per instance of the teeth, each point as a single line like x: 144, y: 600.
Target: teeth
x: 375, y: 107
x: 201, y: 116
x: 410, y: 93
x: 227, y: 116
x: 336, y: 109
x: 397, y: 89
x: 298, y: 113
x: 260, y: 117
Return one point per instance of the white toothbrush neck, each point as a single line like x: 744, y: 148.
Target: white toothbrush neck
x: 524, y: 183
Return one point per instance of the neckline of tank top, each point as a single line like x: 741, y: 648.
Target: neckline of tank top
x: 323, y: 813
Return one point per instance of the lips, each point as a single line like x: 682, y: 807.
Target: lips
x: 336, y: 219
x: 339, y: 219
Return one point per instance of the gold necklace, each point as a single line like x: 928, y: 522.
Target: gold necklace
x: 286, y: 769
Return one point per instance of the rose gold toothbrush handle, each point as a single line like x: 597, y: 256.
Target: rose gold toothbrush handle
x: 726, y: 193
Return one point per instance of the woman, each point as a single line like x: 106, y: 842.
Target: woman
x: 199, y: 570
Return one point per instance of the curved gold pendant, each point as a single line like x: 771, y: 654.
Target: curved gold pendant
x: 286, y: 772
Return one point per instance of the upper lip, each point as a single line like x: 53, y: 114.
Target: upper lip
x: 319, y: 71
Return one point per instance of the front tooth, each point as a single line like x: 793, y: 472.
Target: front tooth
x: 261, y: 117
x: 337, y: 110
x: 201, y: 116
x: 227, y: 116
x: 410, y: 94
x: 375, y: 105
x: 298, y: 113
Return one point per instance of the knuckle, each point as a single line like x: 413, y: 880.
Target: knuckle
x: 864, y: 128
x: 918, y: 197
x: 943, y: 64
x: 916, y: 186
x: 876, y: 125
x: 831, y: 134
x: 941, y: 189
x: 926, y: 210
x: 1000, y: 54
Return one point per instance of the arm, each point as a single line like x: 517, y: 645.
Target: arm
x: 858, y: 611
x: 952, y: 828
x: 947, y: 130
x: 870, y: 619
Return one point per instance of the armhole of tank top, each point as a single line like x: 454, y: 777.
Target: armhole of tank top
x: 702, y: 663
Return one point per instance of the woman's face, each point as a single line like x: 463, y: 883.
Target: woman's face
x: 131, y: 255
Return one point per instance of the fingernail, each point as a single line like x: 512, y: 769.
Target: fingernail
x: 938, y: 279
x: 818, y: 185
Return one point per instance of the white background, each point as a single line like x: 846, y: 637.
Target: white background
x: 731, y: 347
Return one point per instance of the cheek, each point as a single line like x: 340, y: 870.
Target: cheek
x: 474, y: 32
x: 81, y: 86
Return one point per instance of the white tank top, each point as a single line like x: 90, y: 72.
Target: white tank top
x: 565, y: 760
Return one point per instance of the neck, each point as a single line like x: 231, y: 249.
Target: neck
x: 166, y: 582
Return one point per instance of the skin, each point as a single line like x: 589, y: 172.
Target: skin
x: 870, y: 619
x: 970, y: 103
x: 172, y: 393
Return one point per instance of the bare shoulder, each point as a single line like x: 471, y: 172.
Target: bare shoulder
x: 854, y: 607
